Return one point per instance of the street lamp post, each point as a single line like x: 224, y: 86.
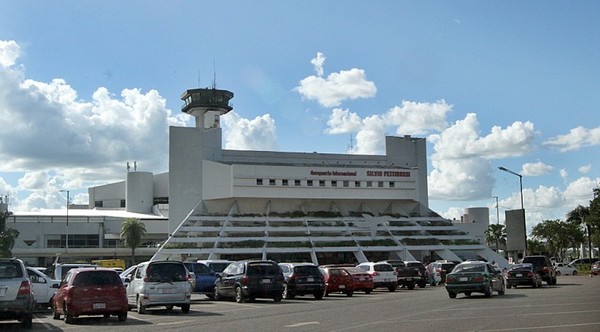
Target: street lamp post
x: 504, y: 169
x: 497, y: 211
x: 67, y: 221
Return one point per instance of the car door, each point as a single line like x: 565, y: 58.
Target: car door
x: 495, y: 276
x: 134, y: 285
x: 41, y: 286
x: 228, y: 279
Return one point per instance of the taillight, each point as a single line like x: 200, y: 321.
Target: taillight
x: 477, y: 279
x: 25, y: 288
x: 450, y: 279
x: 530, y: 274
x: 375, y: 274
x: 190, y: 278
x: 245, y: 280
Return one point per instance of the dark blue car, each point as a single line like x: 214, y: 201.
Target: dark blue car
x: 205, y: 278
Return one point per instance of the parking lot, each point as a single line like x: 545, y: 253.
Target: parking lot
x: 573, y: 304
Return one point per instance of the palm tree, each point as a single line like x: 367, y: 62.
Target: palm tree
x: 578, y: 216
x: 7, y: 235
x: 496, y: 233
x: 132, y: 232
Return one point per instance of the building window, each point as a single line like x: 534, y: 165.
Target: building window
x: 297, y: 183
x: 392, y: 184
x: 380, y: 184
x: 122, y: 203
x: 346, y: 184
x: 259, y: 182
x: 284, y: 182
x: 98, y: 204
x: 357, y: 184
x: 271, y: 182
x: 369, y: 184
x: 321, y: 183
x: 309, y: 183
x: 334, y: 183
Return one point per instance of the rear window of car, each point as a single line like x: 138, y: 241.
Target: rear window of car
x: 218, y: 267
x: 306, y: 270
x: 198, y: 268
x: 469, y: 268
x: 9, y: 270
x: 522, y: 267
x: 166, y: 272
x: 383, y: 267
x: 262, y: 269
x: 97, y: 278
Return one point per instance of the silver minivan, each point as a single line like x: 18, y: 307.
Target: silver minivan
x: 159, y: 283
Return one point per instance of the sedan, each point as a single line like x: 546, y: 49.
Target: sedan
x: 522, y: 274
x: 475, y: 276
x: 43, y: 287
x: 90, y: 291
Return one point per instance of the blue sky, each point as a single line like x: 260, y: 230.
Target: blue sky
x: 86, y: 86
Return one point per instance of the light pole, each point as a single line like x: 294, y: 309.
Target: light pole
x: 497, y: 211
x: 67, y: 220
x: 504, y: 169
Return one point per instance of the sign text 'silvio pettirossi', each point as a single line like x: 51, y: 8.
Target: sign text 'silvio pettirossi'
x: 378, y: 173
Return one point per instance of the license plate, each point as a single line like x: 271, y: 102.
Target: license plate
x: 266, y: 281
x: 519, y: 275
x: 362, y: 279
x: 99, y: 305
x: 463, y: 279
x: 310, y: 279
x: 342, y: 286
x: 166, y: 290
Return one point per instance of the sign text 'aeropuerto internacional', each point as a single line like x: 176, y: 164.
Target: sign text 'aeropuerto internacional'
x: 378, y: 173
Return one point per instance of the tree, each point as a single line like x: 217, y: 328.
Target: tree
x: 559, y: 236
x: 8, y: 236
x: 132, y: 232
x: 580, y: 216
x: 496, y: 233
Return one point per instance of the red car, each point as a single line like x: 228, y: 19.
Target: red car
x: 90, y: 291
x: 338, y: 280
x: 363, y: 281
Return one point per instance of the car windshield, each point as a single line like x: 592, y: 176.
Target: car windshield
x: 166, y: 272
x: 261, y: 269
x: 9, y: 270
x: 97, y: 278
x: 469, y: 268
x: 306, y: 270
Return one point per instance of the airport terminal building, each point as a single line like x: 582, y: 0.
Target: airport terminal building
x: 286, y: 206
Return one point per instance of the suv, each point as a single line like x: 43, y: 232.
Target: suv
x: 542, y: 266
x: 159, y: 283
x: 384, y: 274
x: 408, y: 276
x: 16, y: 300
x: 247, y: 280
x: 301, y: 279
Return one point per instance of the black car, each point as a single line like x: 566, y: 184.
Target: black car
x: 522, y: 274
x: 250, y: 279
x: 16, y: 296
x: 542, y: 266
x: 302, y: 279
x: 422, y: 271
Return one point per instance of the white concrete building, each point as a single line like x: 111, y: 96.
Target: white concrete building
x: 286, y: 206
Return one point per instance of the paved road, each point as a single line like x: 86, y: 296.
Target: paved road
x: 572, y: 305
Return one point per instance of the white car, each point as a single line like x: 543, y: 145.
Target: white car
x: 565, y: 269
x: 43, y: 286
x: 384, y: 274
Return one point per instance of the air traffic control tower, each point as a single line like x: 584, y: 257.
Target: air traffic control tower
x: 206, y: 105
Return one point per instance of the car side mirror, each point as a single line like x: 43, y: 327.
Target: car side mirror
x: 55, y: 286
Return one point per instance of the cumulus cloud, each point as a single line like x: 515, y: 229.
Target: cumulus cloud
x: 564, y: 174
x: 244, y: 134
x: 461, y: 179
x: 575, y: 139
x: 580, y: 191
x: 585, y: 168
x: 336, y: 87
x: 342, y: 121
x: 9, y: 52
x: 536, y: 169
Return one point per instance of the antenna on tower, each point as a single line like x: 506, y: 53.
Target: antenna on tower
x: 214, y: 75
x: 351, y: 145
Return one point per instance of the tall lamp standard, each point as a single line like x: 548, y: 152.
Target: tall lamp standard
x: 67, y: 220
x: 504, y: 169
x: 497, y: 211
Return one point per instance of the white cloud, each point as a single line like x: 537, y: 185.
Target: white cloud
x: 585, y: 168
x: 564, y: 174
x: 243, y: 134
x: 9, y: 52
x: 575, y: 139
x: 413, y: 118
x: 460, y: 179
x: 337, y: 87
x: 453, y: 213
x: 580, y: 191
x: 318, y: 63
x: 536, y: 169
x: 342, y: 121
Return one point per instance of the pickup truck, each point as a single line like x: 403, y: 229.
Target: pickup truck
x: 408, y: 276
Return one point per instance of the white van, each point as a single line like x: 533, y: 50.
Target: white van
x: 59, y: 270
x: 159, y: 283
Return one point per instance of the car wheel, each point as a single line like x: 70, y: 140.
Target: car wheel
x: 574, y: 272
x: 69, y: 318
x: 422, y: 284
x: 239, y: 296
x: 467, y: 293
x: 122, y: 316
x: 554, y: 282
x: 318, y: 295
x: 139, y: 306
x: 411, y: 286
x: 27, y: 321
x: 210, y: 296
x: 55, y: 314
x: 392, y: 288
x: 349, y: 293
x: 170, y: 307
x: 286, y: 293
x: 502, y: 290
x: 217, y: 294
x: 534, y: 285
x: 488, y: 290
x: 508, y: 286
x: 368, y: 290
x: 557, y: 273
x: 452, y: 295
x: 277, y: 298
x: 185, y: 308
x: 433, y: 283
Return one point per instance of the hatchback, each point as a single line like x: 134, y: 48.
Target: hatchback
x: 16, y: 297
x: 90, y: 291
x: 302, y: 279
x: 159, y: 283
x: 250, y: 279
x: 384, y: 274
x: 338, y: 280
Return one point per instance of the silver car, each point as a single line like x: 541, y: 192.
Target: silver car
x: 159, y: 283
x: 16, y: 296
